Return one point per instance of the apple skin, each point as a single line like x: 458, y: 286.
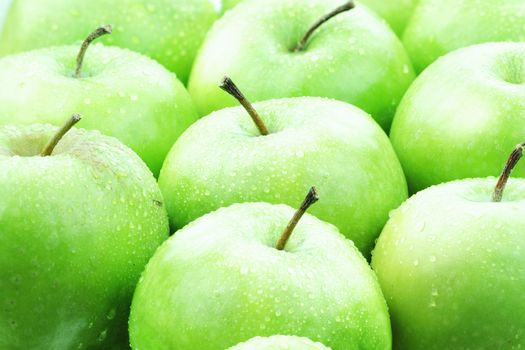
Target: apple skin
x: 77, y: 227
x: 441, y: 26
x: 222, y: 159
x: 462, y: 116
x: 354, y: 57
x: 229, y: 4
x: 452, y: 266
x: 220, y: 281
x: 279, y: 342
x: 395, y: 12
x: 121, y: 93
x: 169, y: 31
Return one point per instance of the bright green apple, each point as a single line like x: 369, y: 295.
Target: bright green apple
x: 354, y: 57
x: 221, y: 280
x: 395, y: 12
x: 77, y: 229
x: 223, y: 159
x: 461, y: 115
x: 441, y: 26
x: 280, y: 342
x: 119, y: 92
x: 169, y: 31
x: 451, y: 263
x: 229, y: 4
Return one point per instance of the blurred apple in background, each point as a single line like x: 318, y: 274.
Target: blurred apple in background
x: 224, y: 159
x: 441, y: 26
x: 221, y: 280
x: 229, y: 4
x: 119, y: 92
x: 78, y: 226
x: 4, y: 5
x: 353, y: 57
x: 169, y: 31
x: 462, y: 115
x: 280, y: 342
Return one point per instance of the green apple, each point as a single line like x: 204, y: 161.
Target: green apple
x: 461, y: 114
x: 451, y: 263
x: 169, y: 31
x: 441, y: 26
x: 223, y: 159
x: 229, y: 4
x: 223, y: 279
x: 280, y: 342
x: 262, y: 45
x: 119, y: 92
x: 77, y: 228
x: 395, y: 12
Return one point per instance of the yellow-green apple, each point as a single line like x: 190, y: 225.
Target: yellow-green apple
x: 119, y: 92
x: 169, y: 31
x: 282, y: 48
x: 225, y: 158
x: 451, y: 262
x: 239, y: 272
x: 441, y: 26
x: 80, y: 215
x: 461, y: 115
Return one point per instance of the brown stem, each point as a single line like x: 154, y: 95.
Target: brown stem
x: 310, y: 199
x: 343, y: 8
x: 229, y: 86
x: 97, y: 33
x: 51, y: 144
x: 513, y: 160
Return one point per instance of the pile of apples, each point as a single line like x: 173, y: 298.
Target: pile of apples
x: 222, y: 124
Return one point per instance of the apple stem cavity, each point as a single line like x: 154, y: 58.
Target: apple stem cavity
x: 51, y: 144
x: 97, y: 33
x: 310, y: 199
x: 229, y: 86
x: 301, y: 45
x: 513, y: 160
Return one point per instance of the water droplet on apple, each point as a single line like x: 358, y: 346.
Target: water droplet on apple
x: 102, y: 335
x: 111, y: 314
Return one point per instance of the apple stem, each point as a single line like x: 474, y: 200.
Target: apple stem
x: 229, y: 86
x: 51, y: 144
x: 513, y: 160
x: 310, y: 199
x: 301, y: 45
x: 97, y: 33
